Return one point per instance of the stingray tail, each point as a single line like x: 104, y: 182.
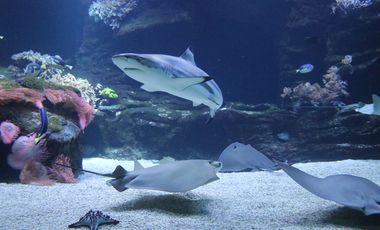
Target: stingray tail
x: 119, y: 171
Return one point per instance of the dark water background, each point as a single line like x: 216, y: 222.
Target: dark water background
x: 236, y: 42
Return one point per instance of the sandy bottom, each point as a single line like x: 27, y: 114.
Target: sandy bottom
x: 260, y: 200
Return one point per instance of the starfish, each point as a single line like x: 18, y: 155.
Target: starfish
x: 93, y: 219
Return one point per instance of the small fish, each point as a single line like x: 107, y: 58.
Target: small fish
x: 284, y: 136
x: 306, y: 68
x: 1, y: 37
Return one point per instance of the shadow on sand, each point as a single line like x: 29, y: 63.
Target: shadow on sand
x: 180, y: 204
x: 347, y: 217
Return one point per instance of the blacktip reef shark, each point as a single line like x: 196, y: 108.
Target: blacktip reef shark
x: 348, y: 190
x: 178, y: 76
x: 238, y: 157
x: 370, y: 109
x: 176, y: 176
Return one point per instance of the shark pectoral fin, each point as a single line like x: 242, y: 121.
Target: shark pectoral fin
x: 148, y: 88
x: 196, y: 103
x: 137, y: 165
x: 184, y: 83
x: 376, y: 104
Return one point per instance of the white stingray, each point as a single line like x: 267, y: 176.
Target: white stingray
x: 370, y: 109
x: 351, y: 191
x: 177, y: 176
x: 239, y: 157
x: 178, y: 76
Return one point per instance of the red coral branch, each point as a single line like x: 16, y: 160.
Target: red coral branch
x: 60, y: 173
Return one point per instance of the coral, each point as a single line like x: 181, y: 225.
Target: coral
x: 345, y: 5
x: 111, y: 12
x: 61, y: 173
x: 109, y: 93
x: 51, y: 74
x: 23, y: 150
x: 346, y: 60
x: 9, y: 132
x: 333, y: 88
x: 37, y: 57
x: 71, y: 99
x: 35, y: 173
x: 85, y: 88
x: 20, y: 95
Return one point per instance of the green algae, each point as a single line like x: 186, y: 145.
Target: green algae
x: 8, y: 84
x: 55, y: 124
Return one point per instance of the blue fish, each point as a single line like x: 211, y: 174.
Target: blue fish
x: 306, y: 68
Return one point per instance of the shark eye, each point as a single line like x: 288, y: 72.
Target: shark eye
x: 235, y: 146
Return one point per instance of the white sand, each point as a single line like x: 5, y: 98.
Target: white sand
x: 260, y: 200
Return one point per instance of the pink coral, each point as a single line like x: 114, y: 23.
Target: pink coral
x: 24, y: 150
x: 36, y: 174
x: 331, y: 91
x: 20, y: 95
x: 67, y: 97
x: 9, y: 132
x: 61, y: 173
x: 71, y: 99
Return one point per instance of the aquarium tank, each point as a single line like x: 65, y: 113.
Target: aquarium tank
x: 190, y: 114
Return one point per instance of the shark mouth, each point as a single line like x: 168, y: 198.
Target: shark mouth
x: 132, y: 69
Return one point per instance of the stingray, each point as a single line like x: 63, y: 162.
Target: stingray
x: 371, y: 109
x: 177, y: 176
x: 238, y: 157
x: 348, y: 190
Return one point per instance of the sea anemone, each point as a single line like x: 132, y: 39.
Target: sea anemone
x: 24, y: 150
x: 9, y: 132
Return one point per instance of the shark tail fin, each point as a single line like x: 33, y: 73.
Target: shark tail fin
x: 376, y: 104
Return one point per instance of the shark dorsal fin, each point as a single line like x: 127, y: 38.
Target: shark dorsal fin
x: 188, y: 56
x: 138, y: 166
x: 376, y: 104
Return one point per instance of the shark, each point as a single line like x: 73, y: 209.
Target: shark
x: 178, y: 76
x: 351, y: 191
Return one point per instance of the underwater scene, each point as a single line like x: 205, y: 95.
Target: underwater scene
x: 189, y: 114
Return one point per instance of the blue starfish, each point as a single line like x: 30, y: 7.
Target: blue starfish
x: 93, y: 219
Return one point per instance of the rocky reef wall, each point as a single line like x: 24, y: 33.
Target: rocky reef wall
x: 152, y: 130
x: 150, y: 125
